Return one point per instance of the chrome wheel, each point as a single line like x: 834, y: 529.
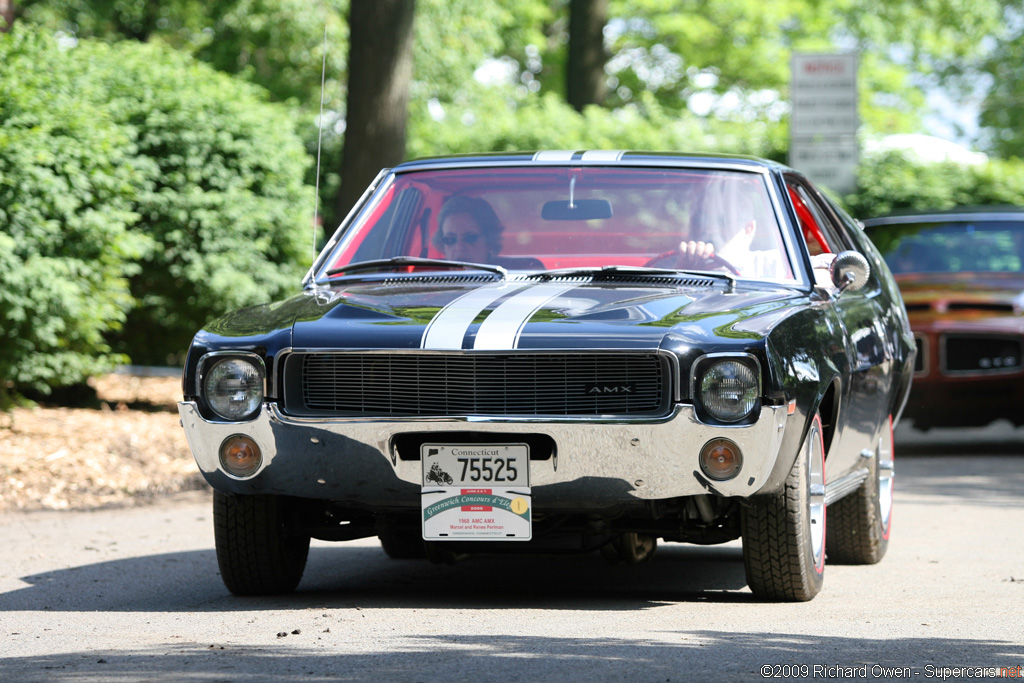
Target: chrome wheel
x: 886, y: 474
x: 816, y: 499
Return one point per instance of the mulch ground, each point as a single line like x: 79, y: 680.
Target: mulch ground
x: 127, y: 451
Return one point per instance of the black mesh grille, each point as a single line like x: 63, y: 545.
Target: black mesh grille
x: 409, y: 385
x: 982, y: 354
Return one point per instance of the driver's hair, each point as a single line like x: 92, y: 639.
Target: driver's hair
x: 744, y: 213
x: 482, y: 212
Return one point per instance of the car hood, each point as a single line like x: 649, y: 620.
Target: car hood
x: 994, y: 294
x: 532, y: 314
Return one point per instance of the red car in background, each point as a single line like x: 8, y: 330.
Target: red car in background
x: 961, y: 273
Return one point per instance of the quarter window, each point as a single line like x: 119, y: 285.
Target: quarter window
x: 817, y: 232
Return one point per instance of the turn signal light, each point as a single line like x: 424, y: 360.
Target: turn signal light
x: 721, y: 459
x: 240, y: 456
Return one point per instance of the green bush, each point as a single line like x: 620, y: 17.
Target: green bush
x: 141, y: 195
x: 892, y: 182
x: 222, y: 196
x: 67, y: 179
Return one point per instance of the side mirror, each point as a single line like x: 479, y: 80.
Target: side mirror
x: 849, y: 271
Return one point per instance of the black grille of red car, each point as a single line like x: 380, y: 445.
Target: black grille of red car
x: 978, y: 354
x: 979, y: 306
x: 440, y: 384
x: 922, y: 353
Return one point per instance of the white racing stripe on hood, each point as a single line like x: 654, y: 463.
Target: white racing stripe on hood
x: 500, y: 330
x: 449, y: 326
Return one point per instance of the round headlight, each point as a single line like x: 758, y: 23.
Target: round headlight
x: 728, y: 390
x: 233, y: 388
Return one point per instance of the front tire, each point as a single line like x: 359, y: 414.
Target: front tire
x: 256, y: 552
x: 784, y: 535
x: 859, y: 524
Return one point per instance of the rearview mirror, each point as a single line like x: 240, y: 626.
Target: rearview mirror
x: 578, y: 210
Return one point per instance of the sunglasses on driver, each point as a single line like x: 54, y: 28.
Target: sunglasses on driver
x: 467, y: 238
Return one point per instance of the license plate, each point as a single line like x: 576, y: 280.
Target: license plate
x: 506, y: 464
x: 477, y: 492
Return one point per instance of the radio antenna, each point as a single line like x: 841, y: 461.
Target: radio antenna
x: 319, y: 140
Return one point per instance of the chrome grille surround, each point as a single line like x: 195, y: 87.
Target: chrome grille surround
x: 563, y: 384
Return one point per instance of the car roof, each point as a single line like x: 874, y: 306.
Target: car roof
x: 956, y: 214
x: 603, y: 157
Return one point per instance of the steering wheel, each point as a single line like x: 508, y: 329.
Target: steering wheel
x: 677, y: 259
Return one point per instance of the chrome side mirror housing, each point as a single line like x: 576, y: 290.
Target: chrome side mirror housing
x: 849, y: 271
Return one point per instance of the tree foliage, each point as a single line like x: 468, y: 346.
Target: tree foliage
x: 729, y: 59
x: 1002, y: 111
x: 67, y: 181
x: 278, y: 44
x: 141, y: 194
x: 222, y: 197
x: 726, y: 60
x: 198, y: 177
x: 500, y: 120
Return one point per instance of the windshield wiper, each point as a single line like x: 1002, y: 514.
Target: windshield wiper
x: 384, y: 264
x: 598, y: 271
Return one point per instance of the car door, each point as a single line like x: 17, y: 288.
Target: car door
x: 863, y: 397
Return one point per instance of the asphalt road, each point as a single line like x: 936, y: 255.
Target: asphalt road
x: 134, y: 595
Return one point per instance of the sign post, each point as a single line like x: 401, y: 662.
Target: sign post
x: 823, y: 124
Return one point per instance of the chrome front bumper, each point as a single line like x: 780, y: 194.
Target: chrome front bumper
x: 596, y: 463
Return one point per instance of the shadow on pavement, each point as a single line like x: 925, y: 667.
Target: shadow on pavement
x: 681, y: 655
x: 349, y: 575
x: 962, y: 466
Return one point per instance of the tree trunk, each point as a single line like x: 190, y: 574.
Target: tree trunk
x: 6, y: 15
x: 585, y: 77
x: 379, y: 74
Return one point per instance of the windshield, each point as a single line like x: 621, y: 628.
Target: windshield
x: 550, y: 218
x: 952, y: 246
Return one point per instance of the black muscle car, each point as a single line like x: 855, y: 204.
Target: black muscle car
x: 564, y: 350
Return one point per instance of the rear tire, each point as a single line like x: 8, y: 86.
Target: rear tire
x: 256, y: 552
x: 630, y: 547
x: 859, y: 524
x: 784, y: 535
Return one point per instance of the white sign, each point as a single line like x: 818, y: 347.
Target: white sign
x: 824, y: 119
x: 824, y: 95
x: 828, y: 160
x: 484, y: 514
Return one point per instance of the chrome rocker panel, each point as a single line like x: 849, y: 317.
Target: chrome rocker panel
x: 596, y: 464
